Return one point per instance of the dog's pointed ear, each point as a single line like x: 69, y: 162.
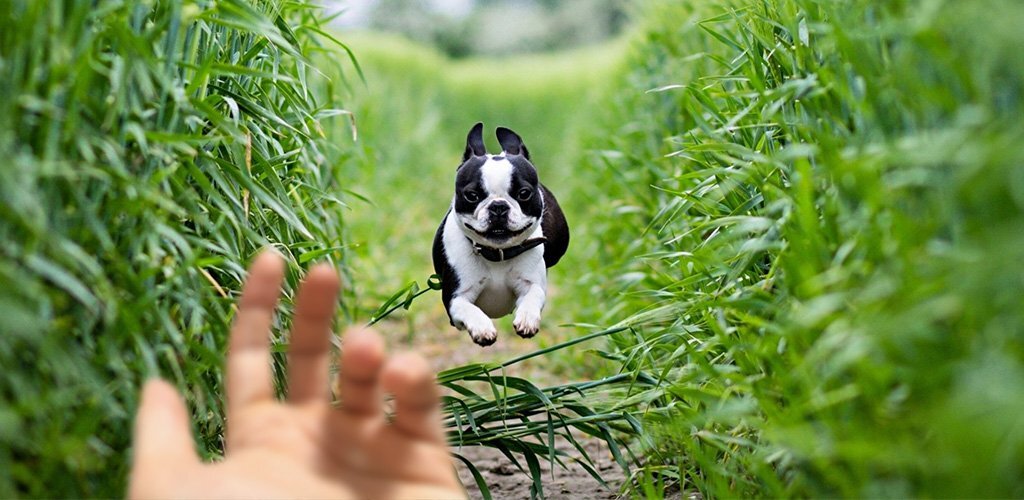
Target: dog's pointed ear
x: 511, y: 143
x: 475, y: 142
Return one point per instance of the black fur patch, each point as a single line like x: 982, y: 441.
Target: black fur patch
x: 524, y: 176
x: 467, y: 179
x: 556, y: 229
x: 443, y: 268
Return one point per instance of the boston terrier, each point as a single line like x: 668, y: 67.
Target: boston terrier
x: 501, y: 233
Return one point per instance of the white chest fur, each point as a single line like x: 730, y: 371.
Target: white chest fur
x: 495, y: 287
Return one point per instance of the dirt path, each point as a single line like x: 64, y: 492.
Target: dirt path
x: 507, y: 481
x: 446, y: 347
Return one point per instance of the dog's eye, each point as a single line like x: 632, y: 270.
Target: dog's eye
x: 524, y: 194
x: 471, y: 196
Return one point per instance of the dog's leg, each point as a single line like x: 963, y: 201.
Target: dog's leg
x: 528, y: 308
x: 467, y: 316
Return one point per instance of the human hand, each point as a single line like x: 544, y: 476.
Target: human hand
x: 305, y: 446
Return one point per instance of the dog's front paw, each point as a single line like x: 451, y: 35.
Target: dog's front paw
x: 482, y: 331
x: 466, y: 316
x: 526, y: 323
x: 484, y: 337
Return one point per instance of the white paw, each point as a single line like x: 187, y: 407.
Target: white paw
x: 526, y: 322
x: 481, y: 329
x: 484, y: 336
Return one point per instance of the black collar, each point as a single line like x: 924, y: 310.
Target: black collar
x: 503, y: 254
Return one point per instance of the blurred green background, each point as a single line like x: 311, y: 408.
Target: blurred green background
x: 466, y: 28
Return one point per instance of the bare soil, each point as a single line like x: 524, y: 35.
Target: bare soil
x: 505, y: 480
x: 446, y: 347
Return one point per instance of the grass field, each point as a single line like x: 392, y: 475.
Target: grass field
x: 823, y: 268
x: 808, y: 213
x: 803, y: 218
x: 149, y: 151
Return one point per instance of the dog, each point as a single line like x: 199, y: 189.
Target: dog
x: 501, y: 233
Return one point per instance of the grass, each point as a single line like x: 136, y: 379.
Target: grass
x: 155, y: 151
x: 150, y: 151
x: 412, y: 117
x: 818, y: 221
x: 490, y: 407
x: 798, y: 224
x: 808, y: 214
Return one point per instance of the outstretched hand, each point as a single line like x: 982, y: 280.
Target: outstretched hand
x: 305, y: 446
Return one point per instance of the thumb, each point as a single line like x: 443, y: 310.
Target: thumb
x: 163, y: 436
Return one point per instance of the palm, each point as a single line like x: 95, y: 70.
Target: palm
x: 376, y: 461
x: 305, y: 446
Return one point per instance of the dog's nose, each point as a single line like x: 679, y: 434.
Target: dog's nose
x: 499, y: 208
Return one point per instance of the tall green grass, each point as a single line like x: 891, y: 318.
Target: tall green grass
x: 412, y: 116
x: 805, y: 216
x: 490, y: 406
x: 149, y: 150
x: 817, y: 233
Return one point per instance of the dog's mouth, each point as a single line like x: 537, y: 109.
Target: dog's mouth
x: 499, y: 233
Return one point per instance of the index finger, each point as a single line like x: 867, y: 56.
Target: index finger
x: 248, y: 361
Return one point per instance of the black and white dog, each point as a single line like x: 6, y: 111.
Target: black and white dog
x: 502, y: 231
